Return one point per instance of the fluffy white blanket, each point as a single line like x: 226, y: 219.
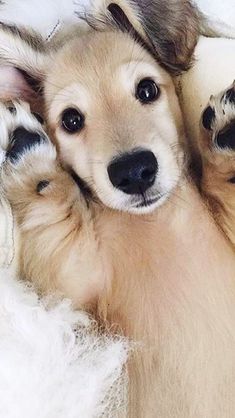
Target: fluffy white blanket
x: 53, y: 361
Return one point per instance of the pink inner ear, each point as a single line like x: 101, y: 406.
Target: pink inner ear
x: 13, y: 85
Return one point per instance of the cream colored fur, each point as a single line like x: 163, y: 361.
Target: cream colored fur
x: 218, y: 164
x: 109, y: 105
x: 166, y: 280
x: 107, y: 108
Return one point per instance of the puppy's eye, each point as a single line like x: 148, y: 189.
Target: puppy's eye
x: 147, y: 91
x: 72, y: 120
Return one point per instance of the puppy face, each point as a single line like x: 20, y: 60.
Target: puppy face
x: 110, y: 100
x: 116, y: 120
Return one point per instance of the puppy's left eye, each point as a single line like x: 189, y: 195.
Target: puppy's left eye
x: 72, y: 120
x: 147, y: 91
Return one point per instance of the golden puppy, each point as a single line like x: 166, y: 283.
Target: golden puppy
x: 217, y: 145
x: 166, y: 279
x: 110, y: 100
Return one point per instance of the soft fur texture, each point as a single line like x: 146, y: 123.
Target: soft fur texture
x: 89, y: 158
x: 159, y: 278
x: 217, y: 146
x: 178, y: 301
x: 54, y: 363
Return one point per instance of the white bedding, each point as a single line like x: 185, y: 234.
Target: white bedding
x: 53, y: 363
x: 221, y: 15
x: 47, y: 16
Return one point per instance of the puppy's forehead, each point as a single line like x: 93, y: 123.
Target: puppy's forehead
x: 95, y: 58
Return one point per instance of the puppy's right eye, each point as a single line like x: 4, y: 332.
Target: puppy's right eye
x: 72, y: 120
x: 147, y: 91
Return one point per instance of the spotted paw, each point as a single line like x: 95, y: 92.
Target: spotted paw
x: 23, y: 130
x: 19, y: 130
x: 218, y: 120
x: 30, y: 157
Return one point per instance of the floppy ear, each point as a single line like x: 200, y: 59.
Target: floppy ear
x: 173, y: 28
x: 169, y: 29
x: 25, y: 51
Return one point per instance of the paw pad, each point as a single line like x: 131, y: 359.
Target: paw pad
x: 208, y: 117
x: 21, y: 141
x: 226, y: 138
x: 219, y: 119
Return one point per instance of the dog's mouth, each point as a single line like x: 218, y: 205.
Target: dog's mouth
x: 140, y: 203
x: 148, y: 202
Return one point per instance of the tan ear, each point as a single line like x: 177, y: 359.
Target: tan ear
x: 25, y: 51
x: 173, y: 28
x: 169, y: 29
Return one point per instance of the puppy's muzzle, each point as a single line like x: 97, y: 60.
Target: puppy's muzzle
x: 21, y: 141
x: 133, y: 173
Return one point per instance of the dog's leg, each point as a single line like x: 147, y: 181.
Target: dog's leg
x: 54, y: 220
x: 217, y: 148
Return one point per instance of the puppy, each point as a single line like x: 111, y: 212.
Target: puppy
x: 217, y: 145
x: 110, y: 100
x: 156, y: 278
x: 114, y: 116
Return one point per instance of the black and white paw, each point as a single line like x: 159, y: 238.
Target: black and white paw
x: 19, y: 130
x: 25, y: 130
x: 29, y: 154
x: 218, y: 119
x: 22, y: 140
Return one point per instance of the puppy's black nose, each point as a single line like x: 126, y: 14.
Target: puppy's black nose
x: 133, y: 173
x: 21, y: 141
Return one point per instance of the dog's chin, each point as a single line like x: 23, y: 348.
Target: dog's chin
x: 138, y: 205
x: 145, y: 206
